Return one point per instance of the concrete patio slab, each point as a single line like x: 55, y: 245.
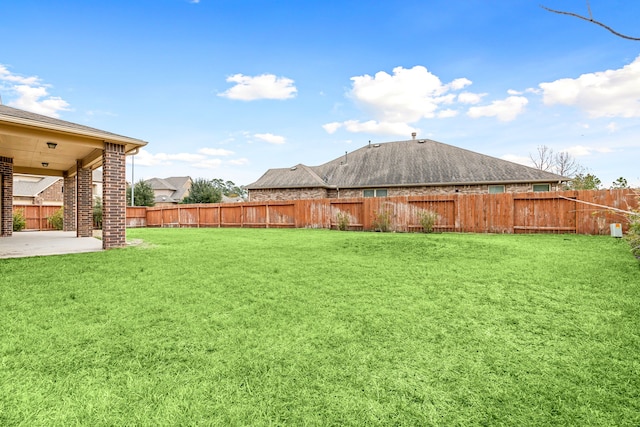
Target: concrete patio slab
x: 40, y: 243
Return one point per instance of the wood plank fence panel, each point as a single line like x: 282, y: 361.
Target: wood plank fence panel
x: 544, y: 212
x: 36, y: 216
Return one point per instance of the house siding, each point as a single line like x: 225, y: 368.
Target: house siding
x: 347, y: 193
x: 287, y: 194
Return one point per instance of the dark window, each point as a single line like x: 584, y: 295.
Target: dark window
x: 541, y: 187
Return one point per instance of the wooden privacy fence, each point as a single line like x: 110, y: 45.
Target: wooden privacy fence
x: 581, y: 212
x: 36, y: 216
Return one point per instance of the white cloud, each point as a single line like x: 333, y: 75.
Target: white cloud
x: 270, y: 138
x: 380, y: 128
x: 31, y: 94
x: 447, y: 113
x: 207, y: 164
x: 612, y: 127
x: 504, y: 110
x: 332, y: 127
x: 265, y: 86
x: 611, y: 93
x: 201, y: 160
x: 581, y: 150
x: 406, y: 96
x: 239, y: 162
x: 215, y: 151
x: 470, y: 98
x: 518, y: 159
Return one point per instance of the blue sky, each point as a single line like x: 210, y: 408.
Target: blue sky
x: 230, y: 88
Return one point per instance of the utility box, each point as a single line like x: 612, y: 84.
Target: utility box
x: 616, y: 230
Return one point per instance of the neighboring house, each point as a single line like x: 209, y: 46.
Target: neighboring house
x: 37, y: 190
x: 414, y: 167
x: 96, y: 186
x: 47, y: 190
x: 170, y: 191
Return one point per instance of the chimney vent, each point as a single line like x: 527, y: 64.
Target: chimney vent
x: 413, y: 135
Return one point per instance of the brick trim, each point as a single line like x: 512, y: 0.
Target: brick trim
x: 114, y: 209
x: 69, y: 200
x: 84, y: 205
x: 6, y: 194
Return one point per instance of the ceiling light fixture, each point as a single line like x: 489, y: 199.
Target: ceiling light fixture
x: 52, y: 145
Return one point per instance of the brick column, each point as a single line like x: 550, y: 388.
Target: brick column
x: 114, y: 209
x: 69, y: 190
x: 84, y: 202
x: 6, y: 196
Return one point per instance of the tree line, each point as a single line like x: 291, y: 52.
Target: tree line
x: 564, y: 164
x: 202, y: 191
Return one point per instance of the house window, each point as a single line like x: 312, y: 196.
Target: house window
x: 541, y: 187
x: 495, y: 189
x: 375, y: 193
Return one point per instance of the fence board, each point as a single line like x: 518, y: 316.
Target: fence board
x: 582, y: 212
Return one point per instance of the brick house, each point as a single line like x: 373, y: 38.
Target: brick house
x: 169, y: 191
x: 34, y: 144
x: 402, y: 168
x: 37, y: 190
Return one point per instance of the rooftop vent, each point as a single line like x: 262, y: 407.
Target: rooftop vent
x: 294, y: 168
x: 376, y: 145
x: 413, y: 135
x: 422, y: 141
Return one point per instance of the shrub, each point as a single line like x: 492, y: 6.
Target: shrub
x: 343, y: 221
x: 427, y: 220
x: 97, y: 213
x: 57, y: 219
x: 381, y: 221
x: 633, y: 235
x: 19, y: 221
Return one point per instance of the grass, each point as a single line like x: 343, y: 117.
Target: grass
x: 318, y: 327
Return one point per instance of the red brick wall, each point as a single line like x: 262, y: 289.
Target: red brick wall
x: 84, y: 207
x: 287, y: 194
x: 114, y: 209
x: 52, y: 194
x: 6, y: 214
x: 69, y: 195
x: 347, y: 193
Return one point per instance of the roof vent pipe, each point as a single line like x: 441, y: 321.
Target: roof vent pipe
x: 413, y: 136
x: 345, y: 157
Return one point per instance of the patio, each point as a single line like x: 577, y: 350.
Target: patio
x: 39, y: 243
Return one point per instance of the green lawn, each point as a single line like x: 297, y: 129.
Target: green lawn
x: 318, y: 327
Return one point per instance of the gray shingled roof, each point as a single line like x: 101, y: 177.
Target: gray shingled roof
x: 30, y: 188
x: 41, y: 119
x: 180, y: 185
x: 405, y: 163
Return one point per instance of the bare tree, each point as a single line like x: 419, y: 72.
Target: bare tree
x: 561, y: 163
x: 590, y: 19
x: 543, y: 159
x: 566, y: 165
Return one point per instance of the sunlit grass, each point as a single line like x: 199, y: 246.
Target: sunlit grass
x: 318, y: 327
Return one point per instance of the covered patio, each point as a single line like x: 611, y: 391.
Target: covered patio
x: 39, y: 145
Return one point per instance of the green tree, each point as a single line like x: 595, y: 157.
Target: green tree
x: 203, y: 191
x: 142, y: 194
x: 584, y: 182
x: 620, y: 183
x: 229, y: 188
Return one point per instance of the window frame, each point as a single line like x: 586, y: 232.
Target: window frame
x: 533, y: 188
x: 501, y: 186
x: 374, y: 192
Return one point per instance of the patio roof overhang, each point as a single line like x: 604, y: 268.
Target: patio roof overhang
x: 27, y: 137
